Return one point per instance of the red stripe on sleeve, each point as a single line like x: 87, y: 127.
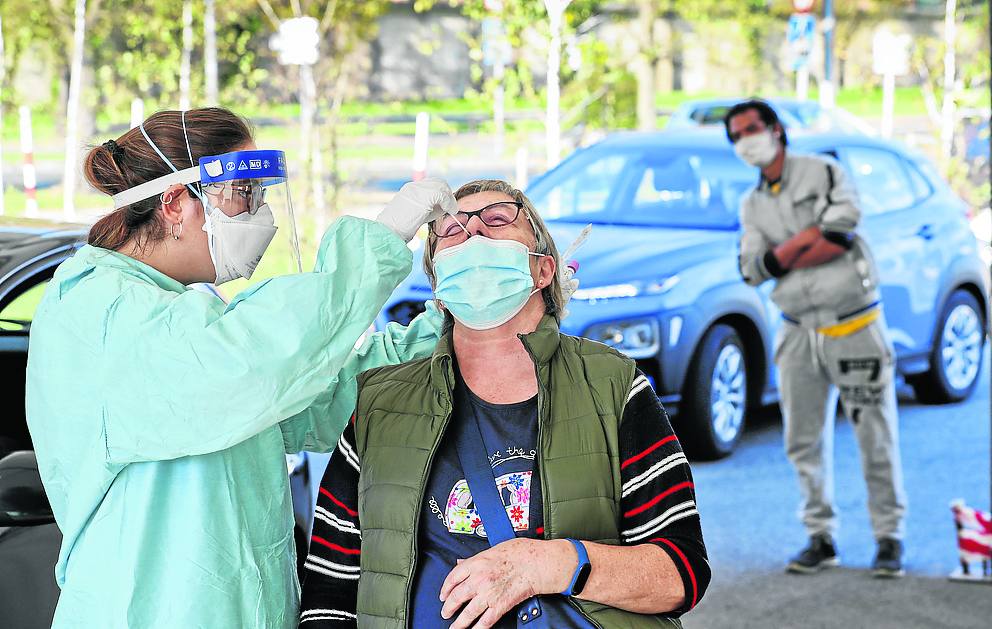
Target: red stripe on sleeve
x: 350, y: 512
x: 650, y: 449
x: 341, y: 549
x: 685, y: 562
x: 647, y: 505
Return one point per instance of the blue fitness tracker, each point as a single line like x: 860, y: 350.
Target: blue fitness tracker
x: 582, y: 571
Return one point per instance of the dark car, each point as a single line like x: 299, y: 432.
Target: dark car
x: 30, y: 251
x: 660, y: 282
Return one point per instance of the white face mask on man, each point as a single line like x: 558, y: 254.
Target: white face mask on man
x: 759, y: 149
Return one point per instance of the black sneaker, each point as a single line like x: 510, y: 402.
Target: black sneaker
x: 819, y: 554
x: 888, y: 559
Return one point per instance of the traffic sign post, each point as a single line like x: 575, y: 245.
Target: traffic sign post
x: 799, y: 35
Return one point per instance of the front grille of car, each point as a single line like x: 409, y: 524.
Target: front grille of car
x: 403, y: 312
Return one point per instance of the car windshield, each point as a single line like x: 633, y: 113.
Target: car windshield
x: 664, y: 187
x: 806, y: 112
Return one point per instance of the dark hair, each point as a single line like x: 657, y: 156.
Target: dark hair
x: 128, y: 161
x: 765, y: 112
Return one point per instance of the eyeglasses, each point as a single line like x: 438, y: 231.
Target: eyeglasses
x: 253, y: 192
x: 498, y: 214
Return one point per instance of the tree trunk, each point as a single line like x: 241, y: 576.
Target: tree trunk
x: 210, y: 52
x: 556, y: 11
x: 72, y: 112
x: 184, y: 66
x: 948, y: 110
x: 646, y: 68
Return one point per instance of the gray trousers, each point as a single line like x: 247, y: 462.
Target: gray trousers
x: 812, y: 369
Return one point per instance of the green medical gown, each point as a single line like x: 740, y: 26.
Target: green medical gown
x: 161, y: 417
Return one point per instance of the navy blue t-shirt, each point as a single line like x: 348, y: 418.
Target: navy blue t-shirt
x: 450, y: 528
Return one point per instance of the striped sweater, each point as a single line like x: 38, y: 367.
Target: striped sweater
x: 657, y: 507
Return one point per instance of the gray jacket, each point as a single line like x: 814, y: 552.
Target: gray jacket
x: 813, y: 191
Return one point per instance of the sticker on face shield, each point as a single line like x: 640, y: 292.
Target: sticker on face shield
x: 214, y: 168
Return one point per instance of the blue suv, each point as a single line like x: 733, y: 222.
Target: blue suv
x: 659, y: 276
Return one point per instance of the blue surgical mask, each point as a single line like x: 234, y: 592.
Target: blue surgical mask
x: 484, y: 282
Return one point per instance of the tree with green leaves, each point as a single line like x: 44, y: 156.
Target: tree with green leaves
x: 341, y: 25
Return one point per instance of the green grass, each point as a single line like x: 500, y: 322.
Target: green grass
x: 865, y: 102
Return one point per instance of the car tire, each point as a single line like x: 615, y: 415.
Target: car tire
x: 957, y: 354
x: 714, y: 399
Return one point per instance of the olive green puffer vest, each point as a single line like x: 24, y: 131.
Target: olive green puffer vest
x: 402, y: 414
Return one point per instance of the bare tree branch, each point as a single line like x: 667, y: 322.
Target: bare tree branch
x: 269, y: 13
x: 329, y: 11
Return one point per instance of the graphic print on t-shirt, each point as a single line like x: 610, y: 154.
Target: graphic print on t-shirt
x: 460, y: 515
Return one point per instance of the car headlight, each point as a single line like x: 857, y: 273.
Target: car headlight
x: 637, y: 338
x: 627, y: 289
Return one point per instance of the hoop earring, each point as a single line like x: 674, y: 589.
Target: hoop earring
x: 175, y: 236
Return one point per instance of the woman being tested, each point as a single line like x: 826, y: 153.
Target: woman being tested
x: 161, y: 415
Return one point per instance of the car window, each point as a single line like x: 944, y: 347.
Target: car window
x: 880, y: 179
x: 665, y: 186
x: 921, y: 189
x: 585, y: 190
x: 711, y: 115
x: 22, y: 308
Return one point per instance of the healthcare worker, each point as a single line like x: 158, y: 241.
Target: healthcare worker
x: 161, y: 415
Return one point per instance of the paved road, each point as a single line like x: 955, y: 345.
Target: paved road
x: 748, y: 508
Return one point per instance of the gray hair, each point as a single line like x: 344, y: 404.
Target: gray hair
x: 554, y: 299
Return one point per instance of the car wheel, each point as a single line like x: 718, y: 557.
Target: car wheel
x: 956, y: 357
x: 714, y: 405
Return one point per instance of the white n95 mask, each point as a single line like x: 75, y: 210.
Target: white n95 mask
x: 237, y: 243
x: 759, y: 149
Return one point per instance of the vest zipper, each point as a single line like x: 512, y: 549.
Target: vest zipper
x: 420, y: 501
x: 541, y: 414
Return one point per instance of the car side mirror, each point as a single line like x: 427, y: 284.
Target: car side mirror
x: 23, y: 501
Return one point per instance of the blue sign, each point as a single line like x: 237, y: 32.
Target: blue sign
x: 802, y: 28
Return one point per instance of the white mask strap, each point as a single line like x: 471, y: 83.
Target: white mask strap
x: 186, y: 137
x: 155, y: 187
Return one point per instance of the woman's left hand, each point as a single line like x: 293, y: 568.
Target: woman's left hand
x: 496, y: 580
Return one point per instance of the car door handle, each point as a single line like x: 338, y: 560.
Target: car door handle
x: 925, y: 232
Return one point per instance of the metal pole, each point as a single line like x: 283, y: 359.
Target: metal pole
x: 421, y: 139
x: 802, y: 82
x: 888, y: 103
x: 827, y: 89
x: 137, y: 112
x: 27, y: 149
x: 521, y: 167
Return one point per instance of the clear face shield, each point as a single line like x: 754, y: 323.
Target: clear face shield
x: 246, y: 203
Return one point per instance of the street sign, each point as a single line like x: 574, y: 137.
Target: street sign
x: 495, y: 46
x: 297, y: 41
x: 890, y: 53
x: 799, y: 35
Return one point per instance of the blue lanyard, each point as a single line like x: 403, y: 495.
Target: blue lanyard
x: 479, y: 476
